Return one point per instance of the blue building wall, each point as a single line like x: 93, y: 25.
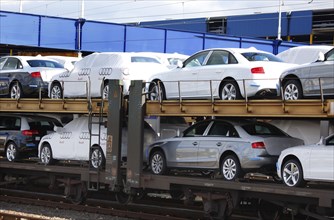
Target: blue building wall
x: 262, y: 25
x: 61, y: 33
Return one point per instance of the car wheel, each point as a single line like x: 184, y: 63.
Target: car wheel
x: 12, y: 152
x: 158, y: 163
x: 230, y: 91
x: 292, y: 173
x: 105, y: 92
x: 230, y: 168
x: 97, y: 158
x: 56, y: 91
x: 46, y: 155
x: 292, y: 90
x: 15, y: 91
x: 157, y: 91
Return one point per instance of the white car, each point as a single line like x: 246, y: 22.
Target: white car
x: 67, y: 62
x: 72, y: 142
x: 313, y: 162
x: 90, y: 76
x: 228, y: 74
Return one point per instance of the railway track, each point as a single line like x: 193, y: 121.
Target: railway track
x: 149, y: 208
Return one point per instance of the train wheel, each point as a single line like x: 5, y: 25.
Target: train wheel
x: 268, y: 210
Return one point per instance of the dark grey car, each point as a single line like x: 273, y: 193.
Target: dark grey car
x: 310, y: 79
x: 20, y: 134
x: 28, y: 76
x: 230, y: 147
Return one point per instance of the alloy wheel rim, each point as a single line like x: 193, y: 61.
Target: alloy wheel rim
x: 46, y: 155
x: 155, y: 95
x: 105, y: 93
x: 96, y: 158
x: 55, y: 93
x: 291, y: 174
x: 15, y: 92
x: 291, y: 92
x: 11, y: 152
x: 229, y: 169
x: 156, y: 164
x: 229, y: 92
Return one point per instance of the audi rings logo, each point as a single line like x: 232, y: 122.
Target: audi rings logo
x: 105, y: 71
x: 84, y: 72
x: 84, y: 135
x: 66, y: 135
x: 64, y: 74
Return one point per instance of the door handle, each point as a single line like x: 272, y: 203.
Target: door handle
x: 195, y: 143
x: 219, y: 144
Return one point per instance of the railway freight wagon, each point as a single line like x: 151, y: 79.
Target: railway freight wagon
x: 128, y: 181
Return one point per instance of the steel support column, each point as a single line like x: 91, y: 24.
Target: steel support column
x: 114, y: 132
x: 135, y: 134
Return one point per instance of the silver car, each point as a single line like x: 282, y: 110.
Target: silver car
x: 231, y: 147
x: 310, y: 79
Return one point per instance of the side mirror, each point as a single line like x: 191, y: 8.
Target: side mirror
x: 56, y: 128
x: 321, y: 57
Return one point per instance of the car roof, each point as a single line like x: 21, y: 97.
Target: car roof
x: 239, y: 50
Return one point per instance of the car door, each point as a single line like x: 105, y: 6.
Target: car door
x: 211, y: 73
x: 64, y: 145
x: 186, y: 147
x: 218, y: 138
x: 322, y: 72
x: 183, y: 81
x: 322, y: 161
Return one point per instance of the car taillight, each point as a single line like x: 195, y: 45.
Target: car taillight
x: 258, y: 145
x: 29, y: 132
x: 257, y: 70
x: 35, y: 75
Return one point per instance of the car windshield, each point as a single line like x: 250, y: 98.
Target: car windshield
x: 262, y: 129
x: 256, y: 56
x: 44, y: 63
x: 330, y: 55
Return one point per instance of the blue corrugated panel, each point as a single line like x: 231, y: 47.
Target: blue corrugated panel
x: 196, y: 24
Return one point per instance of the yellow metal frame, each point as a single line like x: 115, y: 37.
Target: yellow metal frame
x: 307, y: 108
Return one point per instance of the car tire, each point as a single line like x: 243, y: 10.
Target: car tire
x: 292, y: 90
x: 15, y: 91
x: 158, y: 163
x: 97, y: 159
x: 157, y: 91
x: 230, y: 168
x: 292, y: 173
x: 230, y: 90
x: 12, y: 153
x: 45, y: 155
x: 56, y: 91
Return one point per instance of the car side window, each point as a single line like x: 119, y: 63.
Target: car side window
x: 197, y: 129
x: 221, y: 57
x: 196, y: 60
x: 222, y: 129
x: 12, y: 64
x: 10, y: 123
